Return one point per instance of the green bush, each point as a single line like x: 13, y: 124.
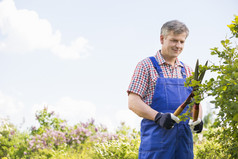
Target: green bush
x: 13, y: 144
x: 211, y: 146
x: 126, y: 146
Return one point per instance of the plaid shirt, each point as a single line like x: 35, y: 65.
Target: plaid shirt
x: 145, y: 76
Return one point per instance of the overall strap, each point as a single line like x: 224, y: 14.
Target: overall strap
x: 159, y: 70
x: 183, y: 70
x: 156, y: 66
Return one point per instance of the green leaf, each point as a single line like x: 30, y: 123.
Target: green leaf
x: 202, y: 73
x: 235, y: 118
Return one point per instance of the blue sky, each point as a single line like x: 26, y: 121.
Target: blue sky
x: 77, y: 57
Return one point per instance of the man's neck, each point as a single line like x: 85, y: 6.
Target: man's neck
x: 169, y: 60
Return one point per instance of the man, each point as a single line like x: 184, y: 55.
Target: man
x: 155, y: 92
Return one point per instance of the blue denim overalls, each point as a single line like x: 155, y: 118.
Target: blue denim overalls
x: 157, y: 142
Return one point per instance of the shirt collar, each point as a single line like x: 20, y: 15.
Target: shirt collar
x: 162, y: 61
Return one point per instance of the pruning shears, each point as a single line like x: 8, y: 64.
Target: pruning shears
x: 198, y: 76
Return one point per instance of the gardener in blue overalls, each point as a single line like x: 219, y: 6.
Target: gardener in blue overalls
x: 155, y: 92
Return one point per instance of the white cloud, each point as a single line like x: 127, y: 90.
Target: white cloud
x: 77, y: 49
x: 24, y: 31
x: 73, y: 111
x: 130, y: 118
x: 11, y: 108
x: 107, y: 121
x: 112, y: 120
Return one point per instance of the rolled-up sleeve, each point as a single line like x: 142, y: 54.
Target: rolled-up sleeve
x: 140, y: 80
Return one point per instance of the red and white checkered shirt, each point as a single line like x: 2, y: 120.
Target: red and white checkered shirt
x: 145, y: 76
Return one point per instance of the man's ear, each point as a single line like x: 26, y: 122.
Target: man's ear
x: 162, y: 39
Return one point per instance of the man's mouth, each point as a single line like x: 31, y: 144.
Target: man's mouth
x: 176, y: 50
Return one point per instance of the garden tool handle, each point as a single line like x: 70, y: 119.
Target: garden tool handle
x: 183, y: 105
x: 195, y: 112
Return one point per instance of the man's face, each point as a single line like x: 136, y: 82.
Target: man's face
x: 172, y: 44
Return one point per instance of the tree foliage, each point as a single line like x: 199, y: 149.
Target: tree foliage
x: 224, y: 89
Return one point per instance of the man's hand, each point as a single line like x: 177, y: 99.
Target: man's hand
x: 196, y: 126
x: 166, y: 120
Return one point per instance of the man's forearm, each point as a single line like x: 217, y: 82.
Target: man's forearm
x: 143, y: 110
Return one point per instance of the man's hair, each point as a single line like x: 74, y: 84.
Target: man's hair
x: 174, y: 25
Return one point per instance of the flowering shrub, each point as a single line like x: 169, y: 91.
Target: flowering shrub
x: 54, y: 135
x: 47, y: 140
x: 48, y: 120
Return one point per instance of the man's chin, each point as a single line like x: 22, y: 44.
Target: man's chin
x: 176, y: 54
